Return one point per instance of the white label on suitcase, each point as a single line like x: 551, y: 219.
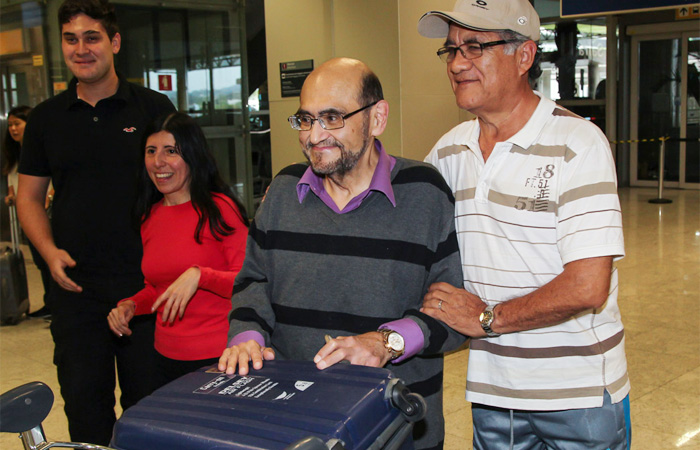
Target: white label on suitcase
x: 252, y: 387
x: 303, y: 385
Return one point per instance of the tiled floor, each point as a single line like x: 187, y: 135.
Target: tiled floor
x: 660, y: 301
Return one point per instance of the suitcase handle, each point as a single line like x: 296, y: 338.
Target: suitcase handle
x: 309, y: 443
x: 14, y: 229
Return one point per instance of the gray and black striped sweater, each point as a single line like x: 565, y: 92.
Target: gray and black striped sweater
x: 309, y: 272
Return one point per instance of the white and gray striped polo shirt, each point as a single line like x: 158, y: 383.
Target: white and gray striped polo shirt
x: 544, y: 198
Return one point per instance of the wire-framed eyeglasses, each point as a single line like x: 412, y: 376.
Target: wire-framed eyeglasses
x: 469, y: 50
x: 328, y: 121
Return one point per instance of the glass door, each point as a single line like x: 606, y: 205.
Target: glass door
x: 664, y: 103
x: 196, y: 57
x: 691, y: 149
x: 15, y: 87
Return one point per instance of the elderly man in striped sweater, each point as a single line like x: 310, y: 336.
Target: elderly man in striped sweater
x: 347, y: 246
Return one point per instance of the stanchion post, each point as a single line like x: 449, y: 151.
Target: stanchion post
x: 662, y: 159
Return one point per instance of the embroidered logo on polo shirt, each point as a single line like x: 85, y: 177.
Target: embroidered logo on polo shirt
x: 130, y: 129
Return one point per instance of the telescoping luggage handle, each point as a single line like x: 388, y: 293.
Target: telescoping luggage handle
x: 14, y: 229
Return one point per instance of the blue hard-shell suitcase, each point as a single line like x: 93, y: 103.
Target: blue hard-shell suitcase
x: 285, y: 405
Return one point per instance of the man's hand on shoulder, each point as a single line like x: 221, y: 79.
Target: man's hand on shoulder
x: 363, y: 349
x: 240, y: 355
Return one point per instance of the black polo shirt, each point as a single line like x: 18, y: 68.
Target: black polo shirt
x: 93, y: 155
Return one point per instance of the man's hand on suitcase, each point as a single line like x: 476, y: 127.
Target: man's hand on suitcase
x: 240, y: 355
x: 363, y: 349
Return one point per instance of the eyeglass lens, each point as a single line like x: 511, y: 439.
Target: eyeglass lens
x: 468, y: 51
x: 327, y: 122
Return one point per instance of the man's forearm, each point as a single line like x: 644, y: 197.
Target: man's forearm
x: 583, y: 285
x: 35, y: 223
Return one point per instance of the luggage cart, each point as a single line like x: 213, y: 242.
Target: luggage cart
x: 24, y: 408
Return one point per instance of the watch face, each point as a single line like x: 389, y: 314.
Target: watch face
x: 395, y: 341
x: 486, y: 317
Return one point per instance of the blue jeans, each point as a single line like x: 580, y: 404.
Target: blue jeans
x: 607, y: 427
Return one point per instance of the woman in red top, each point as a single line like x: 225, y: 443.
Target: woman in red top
x: 194, y: 233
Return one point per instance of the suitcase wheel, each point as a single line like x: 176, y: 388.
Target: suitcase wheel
x: 419, y: 407
x: 411, y: 404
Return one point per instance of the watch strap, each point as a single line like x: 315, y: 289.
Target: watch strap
x: 486, y: 319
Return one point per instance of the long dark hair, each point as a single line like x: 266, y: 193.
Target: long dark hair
x: 204, y: 176
x: 11, y: 147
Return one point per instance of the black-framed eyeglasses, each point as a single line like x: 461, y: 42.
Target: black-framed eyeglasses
x: 328, y: 121
x: 469, y: 50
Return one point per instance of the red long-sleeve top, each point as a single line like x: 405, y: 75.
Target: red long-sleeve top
x: 169, y: 248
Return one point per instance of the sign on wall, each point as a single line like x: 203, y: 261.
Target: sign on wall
x: 599, y: 7
x: 688, y: 12
x: 165, y: 82
x: 292, y: 76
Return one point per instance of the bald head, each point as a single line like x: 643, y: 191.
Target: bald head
x: 343, y: 77
x: 346, y: 67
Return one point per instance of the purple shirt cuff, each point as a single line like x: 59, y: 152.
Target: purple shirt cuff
x: 412, y: 336
x: 247, y: 336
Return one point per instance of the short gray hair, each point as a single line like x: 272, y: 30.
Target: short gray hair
x: 518, y: 40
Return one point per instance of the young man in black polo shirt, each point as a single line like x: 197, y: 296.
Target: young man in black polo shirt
x: 88, y: 141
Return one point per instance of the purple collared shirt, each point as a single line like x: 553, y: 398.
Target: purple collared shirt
x: 381, y: 182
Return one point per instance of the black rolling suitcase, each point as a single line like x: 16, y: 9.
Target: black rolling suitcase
x: 14, y: 292
x: 285, y: 405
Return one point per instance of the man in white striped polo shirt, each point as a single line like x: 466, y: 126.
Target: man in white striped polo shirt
x: 539, y: 226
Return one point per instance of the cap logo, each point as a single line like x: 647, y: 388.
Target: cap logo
x: 522, y: 20
x: 481, y: 4
x: 130, y: 129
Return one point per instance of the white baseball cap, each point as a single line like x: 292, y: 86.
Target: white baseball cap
x: 483, y: 15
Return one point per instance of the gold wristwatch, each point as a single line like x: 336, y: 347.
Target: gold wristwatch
x: 393, y: 342
x: 486, y: 319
